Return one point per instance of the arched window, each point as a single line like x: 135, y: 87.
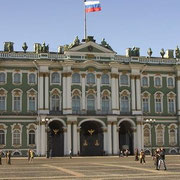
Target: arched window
x: 157, y: 81
x: 124, y: 104
x: 105, y: 104
x: 17, y: 78
x: 172, y: 129
x: 90, y: 103
x: 2, y: 103
x: 31, y: 137
x: 76, y: 78
x: 171, y: 105
x: 124, y: 80
x: 170, y: 82
x: 2, y: 137
x: 104, y: 79
x: 32, y: 78
x: 90, y: 78
x: 147, y: 137
x: 2, y: 77
x: 16, y: 137
x: 158, y: 103
x: 160, y: 135
x: 55, y: 78
x: 144, y: 81
x: 76, y: 104
x: 55, y: 102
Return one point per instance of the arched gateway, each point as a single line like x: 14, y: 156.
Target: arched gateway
x: 126, y: 139
x: 91, y: 139
x: 55, y: 140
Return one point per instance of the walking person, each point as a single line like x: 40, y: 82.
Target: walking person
x: 8, y: 157
x: 142, y: 156
x: 162, y: 159
x: 28, y: 155
x: 31, y: 155
x: 70, y: 153
x: 0, y: 157
x: 156, y: 158
x: 136, y: 155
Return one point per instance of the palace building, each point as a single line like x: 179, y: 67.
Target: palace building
x: 88, y: 99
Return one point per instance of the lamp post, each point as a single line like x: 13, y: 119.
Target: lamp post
x: 45, y: 120
x: 151, y: 122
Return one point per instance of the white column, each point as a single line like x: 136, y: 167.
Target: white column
x: 75, y: 138
x: 64, y: 92
x: 113, y: 92
x: 68, y: 93
x: 109, y: 138
x: 69, y: 136
x: 65, y: 141
x: 117, y: 93
x: 98, y: 92
x: 83, y: 92
x: 178, y: 95
x: 133, y: 97
x: 43, y: 139
x: 38, y: 142
x: 138, y: 94
x: 46, y: 91
x: 41, y: 91
x: 135, y: 138
x: 78, y: 139
x: 115, y: 143
x: 139, y: 132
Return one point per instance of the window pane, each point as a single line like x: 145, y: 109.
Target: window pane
x: 76, y: 104
x: 145, y: 105
x: 32, y: 78
x: 157, y: 81
x: 16, y: 137
x: 2, y: 137
x: 171, y: 105
x: 55, y: 103
x: 32, y: 103
x: 90, y: 103
x: 17, y: 78
x: 76, y: 78
x: 105, y: 79
x: 31, y: 137
x: 170, y: 81
x: 124, y: 80
x: 105, y: 104
x: 16, y: 103
x: 144, y: 81
x: 90, y: 78
x: 55, y: 78
x: 124, y: 104
x: 158, y: 105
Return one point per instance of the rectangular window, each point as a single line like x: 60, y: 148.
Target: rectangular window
x: 17, y: 103
x: 158, y: 106
x: 171, y: 105
x: 145, y: 105
x: 32, y: 103
x: 2, y: 103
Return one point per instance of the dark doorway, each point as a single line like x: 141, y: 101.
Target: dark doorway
x: 126, y: 137
x: 55, y: 139
x: 91, y: 139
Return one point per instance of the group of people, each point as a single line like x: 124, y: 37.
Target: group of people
x: 8, y: 157
x: 123, y: 153
x: 158, y: 157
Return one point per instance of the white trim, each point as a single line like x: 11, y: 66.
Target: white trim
x: 32, y: 84
x: 163, y: 129
x: 14, y: 72
x: 12, y: 92
x: 94, y: 119
x: 27, y: 133
x: 29, y: 95
x: 5, y: 132
x: 57, y: 119
x: 175, y: 129
x: 126, y: 119
x: 5, y: 73
x: 12, y: 132
x: 52, y: 83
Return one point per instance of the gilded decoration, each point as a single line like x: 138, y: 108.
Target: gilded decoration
x: 32, y: 70
x: 105, y: 71
x: 158, y: 95
x: 91, y: 131
x: 69, y: 122
x: 146, y: 95
x: 171, y: 95
x: 138, y: 76
x: 83, y: 75
x: 96, y: 142
x: 178, y: 77
x: 2, y: 127
x: 109, y: 122
x: 76, y: 93
x: 90, y: 56
x: 76, y: 70
x: 41, y: 74
x: 66, y: 74
x: 144, y: 73
x: 105, y: 93
x: 17, y: 92
x: 55, y: 92
x: 124, y: 72
x: 32, y: 93
x: 98, y: 75
x: 55, y: 70
x: 125, y: 93
x: 91, y: 91
x: 114, y: 75
x: 132, y: 76
x: 2, y: 92
x: 90, y: 69
x: 17, y: 126
x: 17, y: 70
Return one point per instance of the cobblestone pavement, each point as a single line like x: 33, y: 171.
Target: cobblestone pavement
x: 86, y: 168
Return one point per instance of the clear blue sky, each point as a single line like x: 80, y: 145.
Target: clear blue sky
x: 123, y: 23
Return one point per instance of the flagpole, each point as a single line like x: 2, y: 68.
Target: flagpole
x: 85, y: 24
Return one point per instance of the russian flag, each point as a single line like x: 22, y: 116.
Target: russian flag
x: 92, y: 6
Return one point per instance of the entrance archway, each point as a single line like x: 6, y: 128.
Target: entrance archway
x: 55, y: 139
x: 126, y: 136
x: 91, y: 139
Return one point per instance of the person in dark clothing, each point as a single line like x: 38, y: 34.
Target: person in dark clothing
x: 162, y: 159
x: 142, y: 156
x: 28, y: 154
x: 136, y: 155
x: 0, y: 157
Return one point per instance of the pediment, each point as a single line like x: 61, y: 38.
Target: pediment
x: 90, y: 48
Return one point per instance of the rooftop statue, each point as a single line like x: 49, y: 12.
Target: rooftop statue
x: 76, y: 42
x: 162, y: 53
x: 135, y: 51
x: 24, y: 47
x: 177, y: 52
x: 105, y: 44
x: 8, y: 47
x: 44, y: 48
x: 149, y: 52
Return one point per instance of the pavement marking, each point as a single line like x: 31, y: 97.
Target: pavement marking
x: 65, y: 170
x: 135, y: 168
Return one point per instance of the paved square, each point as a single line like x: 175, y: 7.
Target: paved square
x: 96, y: 168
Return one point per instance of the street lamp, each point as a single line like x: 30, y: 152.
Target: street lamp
x: 151, y: 122
x: 45, y: 120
